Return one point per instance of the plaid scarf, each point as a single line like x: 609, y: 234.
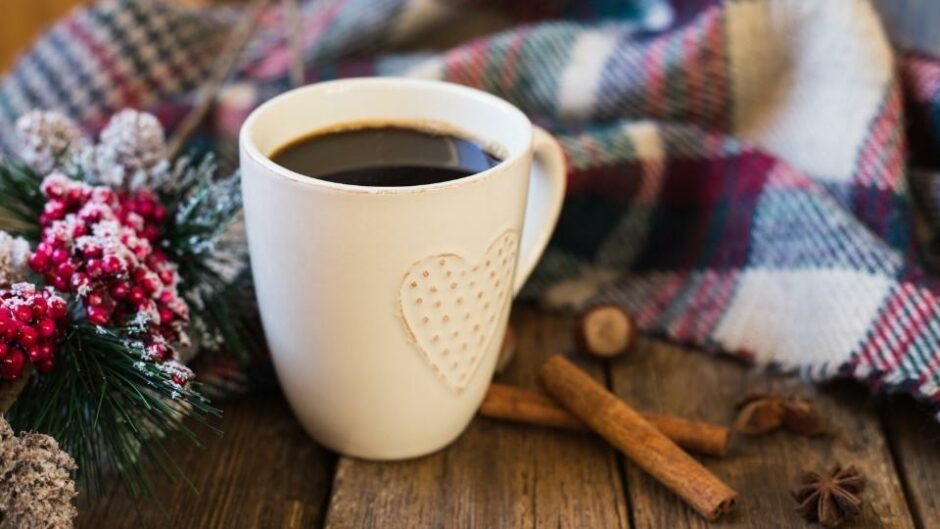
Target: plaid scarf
x: 740, y: 179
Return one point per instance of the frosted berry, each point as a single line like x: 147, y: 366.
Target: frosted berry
x: 23, y: 313
x: 98, y: 315
x: 57, y: 308
x: 39, y: 262
x: 46, y: 327
x: 120, y: 290
x: 27, y: 336
x: 39, y: 306
x: 60, y: 255
x: 11, y: 367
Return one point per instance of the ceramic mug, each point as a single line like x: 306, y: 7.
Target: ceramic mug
x: 384, y: 307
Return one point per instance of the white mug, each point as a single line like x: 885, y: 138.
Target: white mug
x: 384, y: 307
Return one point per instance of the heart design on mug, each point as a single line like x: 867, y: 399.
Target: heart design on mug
x: 451, y: 308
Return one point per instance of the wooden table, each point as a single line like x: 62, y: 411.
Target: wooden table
x: 266, y: 473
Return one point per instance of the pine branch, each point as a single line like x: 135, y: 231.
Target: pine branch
x: 212, y: 259
x: 110, y: 408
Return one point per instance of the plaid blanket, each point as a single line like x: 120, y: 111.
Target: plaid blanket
x: 740, y: 171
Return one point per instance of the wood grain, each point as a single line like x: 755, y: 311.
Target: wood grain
x: 667, y: 379
x: 264, y: 473
x: 497, y: 474
x: 915, y: 440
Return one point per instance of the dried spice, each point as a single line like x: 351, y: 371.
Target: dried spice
x: 605, y: 331
x: 760, y: 413
x: 830, y: 497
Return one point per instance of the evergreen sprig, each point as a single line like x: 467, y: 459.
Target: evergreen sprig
x: 204, y: 239
x: 108, y: 406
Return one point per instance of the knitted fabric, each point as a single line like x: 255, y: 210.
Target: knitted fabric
x: 738, y: 179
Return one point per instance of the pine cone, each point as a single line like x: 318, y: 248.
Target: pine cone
x: 14, y: 254
x: 36, y: 488
x: 131, y: 152
x: 49, y: 140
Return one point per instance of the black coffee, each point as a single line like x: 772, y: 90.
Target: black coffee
x: 384, y: 156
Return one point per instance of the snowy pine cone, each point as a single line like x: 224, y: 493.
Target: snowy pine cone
x: 131, y: 152
x: 36, y: 488
x: 14, y: 254
x: 49, y: 140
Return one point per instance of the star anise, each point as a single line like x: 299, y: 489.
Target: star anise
x: 763, y: 412
x: 830, y: 497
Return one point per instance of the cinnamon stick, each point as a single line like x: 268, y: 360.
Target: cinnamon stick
x: 523, y: 405
x: 639, y: 440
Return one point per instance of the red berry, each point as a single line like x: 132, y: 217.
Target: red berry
x: 39, y: 262
x: 150, y: 285
x: 59, y: 256
x: 11, y: 367
x: 60, y: 283
x: 144, y: 207
x: 23, y: 313
x: 65, y: 270
x: 158, y: 352
x: 98, y: 315
x: 166, y: 297
x: 46, y: 366
x: 75, y: 196
x: 166, y: 315
x: 39, y: 306
x: 35, y: 354
x: 150, y: 232
x: 94, y: 268
x: 137, y: 296
x: 46, y: 327
x: 94, y: 299
x: 4, y: 348
x: 57, y: 308
x: 45, y: 249
x: 27, y: 336
x: 120, y: 290
x: 111, y: 265
x: 167, y: 277
x: 54, y: 210
x: 79, y: 280
x: 159, y: 213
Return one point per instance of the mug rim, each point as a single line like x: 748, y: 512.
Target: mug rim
x: 248, y: 146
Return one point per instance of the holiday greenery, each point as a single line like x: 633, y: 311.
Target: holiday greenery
x: 116, y: 266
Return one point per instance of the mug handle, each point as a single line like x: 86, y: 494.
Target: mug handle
x: 546, y: 195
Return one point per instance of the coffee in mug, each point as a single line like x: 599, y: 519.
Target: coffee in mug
x: 390, y: 223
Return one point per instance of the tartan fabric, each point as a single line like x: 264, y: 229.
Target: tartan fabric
x: 739, y: 179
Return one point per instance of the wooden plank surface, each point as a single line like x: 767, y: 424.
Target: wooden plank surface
x: 915, y: 441
x: 496, y: 475
x: 667, y: 379
x: 264, y: 473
